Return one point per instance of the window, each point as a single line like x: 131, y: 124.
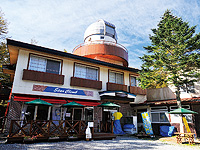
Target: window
x: 44, y: 65
x: 86, y: 72
x: 159, y: 117
x: 89, y: 113
x: 176, y: 107
x: 110, y: 30
x: 133, y: 81
x: 115, y: 77
x: 159, y: 114
x: 160, y: 108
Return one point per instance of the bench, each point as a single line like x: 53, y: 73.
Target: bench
x: 189, y: 137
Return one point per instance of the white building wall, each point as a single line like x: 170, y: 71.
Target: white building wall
x: 19, y: 85
x: 104, y: 77
x: 140, y: 99
x: 126, y: 78
x: 26, y: 86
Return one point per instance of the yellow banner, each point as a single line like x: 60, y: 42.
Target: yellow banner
x: 147, y: 123
x: 186, y: 125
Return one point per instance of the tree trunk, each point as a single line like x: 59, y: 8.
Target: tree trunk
x: 178, y: 97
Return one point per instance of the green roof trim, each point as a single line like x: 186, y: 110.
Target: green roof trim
x: 38, y: 102
x: 108, y: 104
x: 73, y: 104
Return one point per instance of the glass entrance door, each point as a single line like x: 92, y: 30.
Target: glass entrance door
x: 106, y: 116
x: 77, y: 115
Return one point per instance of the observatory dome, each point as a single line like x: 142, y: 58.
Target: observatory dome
x: 100, y: 43
x: 101, y: 28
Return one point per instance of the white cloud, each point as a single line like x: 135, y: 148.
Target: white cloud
x: 61, y: 24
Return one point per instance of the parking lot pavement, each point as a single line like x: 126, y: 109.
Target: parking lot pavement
x: 118, y: 143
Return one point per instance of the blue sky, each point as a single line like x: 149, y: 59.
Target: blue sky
x: 60, y: 24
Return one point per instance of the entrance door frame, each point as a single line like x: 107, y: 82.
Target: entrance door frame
x: 81, y: 112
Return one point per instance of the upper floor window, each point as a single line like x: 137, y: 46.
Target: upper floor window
x: 86, y: 72
x: 133, y: 81
x: 116, y: 77
x: 42, y: 64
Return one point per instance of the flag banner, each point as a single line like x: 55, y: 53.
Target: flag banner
x: 186, y: 125
x: 147, y: 123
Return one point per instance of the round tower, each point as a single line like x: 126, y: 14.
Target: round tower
x: 100, y: 42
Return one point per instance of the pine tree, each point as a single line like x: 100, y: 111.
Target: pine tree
x: 173, y: 57
x: 4, y: 56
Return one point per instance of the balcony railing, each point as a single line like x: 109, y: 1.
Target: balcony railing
x: 86, y: 83
x: 137, y: 90
x: 42, y: 77
x: 116, y: 87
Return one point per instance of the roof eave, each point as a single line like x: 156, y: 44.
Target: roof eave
x: 68, y: 55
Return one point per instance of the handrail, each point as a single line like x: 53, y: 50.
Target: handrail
x: 47, y: 128
x: 100, y: 42
x: 106, y: 126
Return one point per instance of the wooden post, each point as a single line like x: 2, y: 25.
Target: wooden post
x: 79, y: 131
x: 11, y: 126
x: 111, y: 126
x: 35, y: 114
x: 60, y: 113
x: 93, y: 129
x: 50, y: 121
x: 31, y: 128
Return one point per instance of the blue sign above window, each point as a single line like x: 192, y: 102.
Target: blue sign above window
x: 61, y: 90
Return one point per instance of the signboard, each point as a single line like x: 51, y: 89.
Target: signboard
x: 147, y: 123
x: 90, y: 124
x: 52, y: 89
x: 68, y: 114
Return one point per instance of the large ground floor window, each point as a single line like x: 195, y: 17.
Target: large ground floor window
x: 159, y: 117
x: 59, y: 113
x: 74, y: 113
x: 42, y: 112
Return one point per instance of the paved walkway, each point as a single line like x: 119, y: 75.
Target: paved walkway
x: 116, y: 144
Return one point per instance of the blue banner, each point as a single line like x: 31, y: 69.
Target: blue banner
x: 52, y: 89
x: 147, y: 123
x: 64, y: 91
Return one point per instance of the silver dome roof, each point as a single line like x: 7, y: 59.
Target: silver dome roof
x: 101, y: 27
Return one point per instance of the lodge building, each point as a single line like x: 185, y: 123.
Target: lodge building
x: 95, y: 72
